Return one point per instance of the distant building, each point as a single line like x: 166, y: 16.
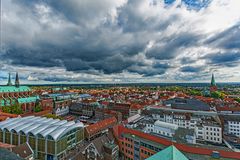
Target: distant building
x: 17, y: 95
x: 120, y: 107
x: 213, y: 86
x: 209, y: 132
x: 162, y: 128
x: 137, y: 145
x: 135, y: 109
x: 94, y: 130
x: 232, y: 125
x: 187, y: 104
x: 49, y: 138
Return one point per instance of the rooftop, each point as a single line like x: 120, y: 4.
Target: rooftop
x: 14, y: 89
x: 170, y: 153
x: 28, y: 99
x: 187, y: 104
x: 101, y: 125
x: 43, y: 126
x: 166, y: 125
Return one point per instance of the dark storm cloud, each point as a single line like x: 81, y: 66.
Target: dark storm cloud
x: 187, y: 60
x: 157, y: 68
x: 191, y: 69
x: 108, y: 37
x: 172, y: 46
x: 228, y: 59
x: 228, y: 39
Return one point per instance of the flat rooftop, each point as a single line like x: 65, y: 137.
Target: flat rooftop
x: 187, y: 104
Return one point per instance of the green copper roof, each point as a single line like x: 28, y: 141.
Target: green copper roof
x: 213, y: 83
x: 28, y: 99
x: 170, y: 153
x: 14, y: 89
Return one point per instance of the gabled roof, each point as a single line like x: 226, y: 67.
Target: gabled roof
x: 28, y: 99
x: 104, y: 124
x: 14, y: 89
x: 170, y: 153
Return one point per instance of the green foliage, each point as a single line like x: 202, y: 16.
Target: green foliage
x: 194, y: 92
x: 15, y: 109
x: 38, y: 108
x: 53, y: 116
x: 237, y: 99
x: 6, y: 109
x: 218, y: 94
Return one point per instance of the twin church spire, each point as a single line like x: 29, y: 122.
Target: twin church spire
x: 16, y: 80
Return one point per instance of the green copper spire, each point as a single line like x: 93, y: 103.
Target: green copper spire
x: 17, y: 80
x: 213, y: 83
x: 9, y: 80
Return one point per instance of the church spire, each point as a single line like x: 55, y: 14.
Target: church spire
x: 9, y: 80
x: 213, y: 83
x: 17, y: 80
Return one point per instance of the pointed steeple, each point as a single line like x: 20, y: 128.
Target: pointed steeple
x: 9, y: 80
x: 213, y: 83
x: 17, y: 80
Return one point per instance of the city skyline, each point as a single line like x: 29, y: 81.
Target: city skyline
x: 140, y: 41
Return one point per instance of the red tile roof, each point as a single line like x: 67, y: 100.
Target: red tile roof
x: 101, y: 125
x: 4, y: 116
x: 181, y: 147
x: 226, y: 108
x: 136, y: 107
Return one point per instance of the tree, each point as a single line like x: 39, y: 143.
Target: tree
x: 38, y: 108
x: 6, y: 109
x: 15, y: 109
x: 218, y: 94
x: 237, y: 99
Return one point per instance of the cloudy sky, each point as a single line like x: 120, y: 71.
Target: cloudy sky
x: 92, y: 41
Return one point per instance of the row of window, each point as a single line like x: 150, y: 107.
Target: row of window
x: 212, y: 129
x: 146, y: 152
x: 236, y: 133
x: 211, y: 133
x: 234, y: 126
x: 213, y: 138
x: 234, y: 122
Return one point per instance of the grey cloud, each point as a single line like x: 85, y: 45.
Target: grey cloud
x: 228, y: 39
x: 191, y: 69
x: 172, y: 45
x: 227, y: 59
x: 104, y: 38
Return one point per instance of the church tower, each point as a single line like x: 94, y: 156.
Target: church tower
x: 17, y: 80
x: 9, y: 80
x: 213, y: 86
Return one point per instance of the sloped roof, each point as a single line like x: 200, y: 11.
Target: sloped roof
x: 14, y: 89
x: 40, y: 126
x: 170, y: 153
x: 94, y: 128
x: 23, y: 150
x: 28, y: 99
